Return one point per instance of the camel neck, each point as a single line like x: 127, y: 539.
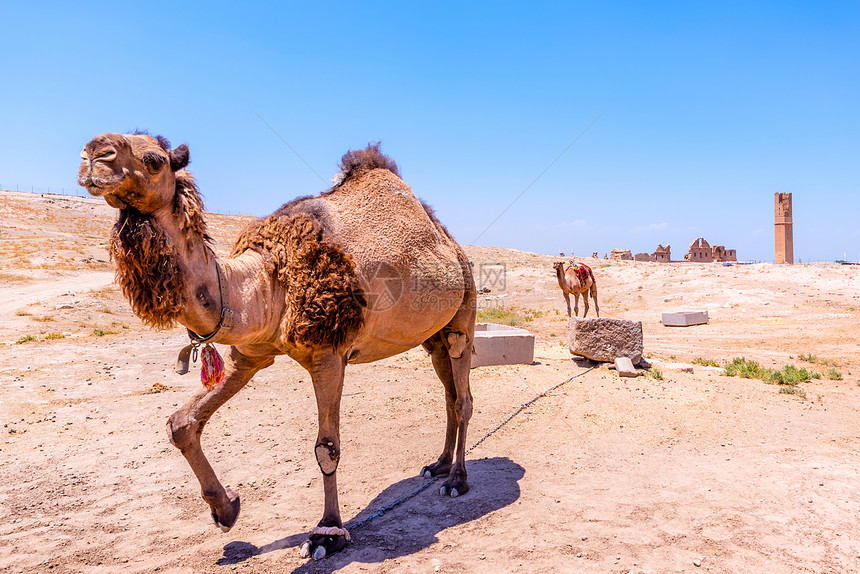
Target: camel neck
x: 225, y: 320
x: 559, y: 273
x: 200, y: 287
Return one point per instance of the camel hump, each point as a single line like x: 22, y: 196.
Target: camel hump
x: 354, y: 161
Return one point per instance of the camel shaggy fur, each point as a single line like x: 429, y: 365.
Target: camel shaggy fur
x: 358, y: 273
x: 576, y: 282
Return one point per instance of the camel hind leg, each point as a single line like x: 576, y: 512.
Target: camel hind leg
x: 594, y: 296
x: 451, y: 353
x: 435, y: 345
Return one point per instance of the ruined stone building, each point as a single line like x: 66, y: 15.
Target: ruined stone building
x: 621, y: 255
x: 723, y: 254
x: 784, y: 244
x: 701, y: 252
x: 662, y: 254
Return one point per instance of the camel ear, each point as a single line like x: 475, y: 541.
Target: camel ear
x: 179, y: 157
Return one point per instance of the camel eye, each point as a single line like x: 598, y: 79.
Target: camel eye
x: 153, y: 161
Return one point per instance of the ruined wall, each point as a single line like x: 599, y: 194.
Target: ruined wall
x: 723, y: 254
x: 621, y: 255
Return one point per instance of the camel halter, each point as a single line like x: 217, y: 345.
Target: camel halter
x: 212, y: 366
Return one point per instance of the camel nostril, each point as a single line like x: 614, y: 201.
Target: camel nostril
x: 106, y: 156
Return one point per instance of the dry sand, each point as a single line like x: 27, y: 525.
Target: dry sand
x: 694, y: 472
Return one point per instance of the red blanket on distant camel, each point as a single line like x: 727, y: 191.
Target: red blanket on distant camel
x: 582, y: 272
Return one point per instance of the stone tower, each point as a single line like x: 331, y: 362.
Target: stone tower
x: 784, y: 244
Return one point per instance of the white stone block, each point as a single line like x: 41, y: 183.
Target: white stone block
x: 625, y: 367
x: 502, y: 345
x: 685, y: 318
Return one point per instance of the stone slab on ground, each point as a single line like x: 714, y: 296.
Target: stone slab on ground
x: 685, y: 318
x: 625, y: 367
x: 502, y: 345
x: 601, y: 339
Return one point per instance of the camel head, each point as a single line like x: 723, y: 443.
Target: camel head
x: 132, y: 170
x: 558, y: 266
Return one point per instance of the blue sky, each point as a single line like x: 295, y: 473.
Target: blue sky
x: 704, y: 110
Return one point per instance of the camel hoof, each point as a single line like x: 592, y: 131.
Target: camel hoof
x: 319, y: 553
x: 305, y: 550
x: 455, y: 486
x: 234, y: 505
x: 427, y: 473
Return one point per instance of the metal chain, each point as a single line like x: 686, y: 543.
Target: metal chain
x: 394, y: 504
x: 427, y: 484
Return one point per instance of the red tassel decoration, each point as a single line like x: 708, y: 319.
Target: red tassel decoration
x: 212, y: 367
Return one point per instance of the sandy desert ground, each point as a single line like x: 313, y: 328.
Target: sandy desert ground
x: 694, y: 472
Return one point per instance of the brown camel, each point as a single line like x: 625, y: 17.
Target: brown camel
x: 359, y: 273
x: 577, y: 279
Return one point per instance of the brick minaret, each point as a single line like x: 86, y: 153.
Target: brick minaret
x: 784, y: 244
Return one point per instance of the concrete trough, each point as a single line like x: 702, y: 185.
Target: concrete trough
x: 502, y: 345
x: 685, y: 318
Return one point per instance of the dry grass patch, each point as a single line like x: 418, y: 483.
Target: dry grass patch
x: 14, y: 277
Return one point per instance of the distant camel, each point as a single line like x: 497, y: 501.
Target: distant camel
x: 577, y: 279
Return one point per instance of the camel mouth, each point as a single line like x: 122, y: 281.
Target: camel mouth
x: 93, y: 189
x: 101, y: 188
x: 115, y: 201
x: 97, y: 186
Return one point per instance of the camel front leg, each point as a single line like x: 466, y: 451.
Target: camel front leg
x: 576, y: 303
x: 327, y: 370
x: 185, y: 426
x: 567, y: 300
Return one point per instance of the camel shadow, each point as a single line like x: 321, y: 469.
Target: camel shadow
x: 409, y: 527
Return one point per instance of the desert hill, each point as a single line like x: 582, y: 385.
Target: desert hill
x: 669, y: 472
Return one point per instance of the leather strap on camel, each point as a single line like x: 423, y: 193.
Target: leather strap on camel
x: 224, y: 322
x: 331, y: 531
